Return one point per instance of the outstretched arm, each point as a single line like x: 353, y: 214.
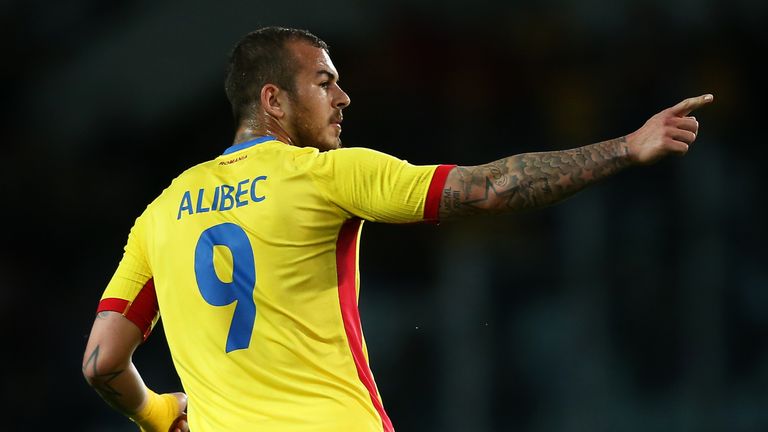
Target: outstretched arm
x: 109, y: 369
x: 534, y: 180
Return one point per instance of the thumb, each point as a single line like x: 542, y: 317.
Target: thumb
x: 684, y: 107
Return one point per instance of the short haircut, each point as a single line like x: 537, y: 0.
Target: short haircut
x: 262, y: 57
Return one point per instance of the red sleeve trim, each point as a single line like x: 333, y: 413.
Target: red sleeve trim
x: 141, y: 311
x: 435, y: 192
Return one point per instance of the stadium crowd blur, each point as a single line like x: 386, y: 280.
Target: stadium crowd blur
x: 638, y: 305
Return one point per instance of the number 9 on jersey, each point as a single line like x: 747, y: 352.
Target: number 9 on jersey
x: 240, y: 289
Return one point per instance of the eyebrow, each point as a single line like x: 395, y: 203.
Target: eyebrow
x: 330, y: 74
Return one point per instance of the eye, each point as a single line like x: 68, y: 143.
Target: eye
x: 325, y: 84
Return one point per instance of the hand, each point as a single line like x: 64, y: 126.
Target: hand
x: 669, y: 132
x: 180, y: 424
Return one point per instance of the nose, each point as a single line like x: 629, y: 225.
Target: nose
x: 342, y: 100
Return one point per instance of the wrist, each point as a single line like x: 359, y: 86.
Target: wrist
x: 146, y: 407
x: 624, y: 150
x: 156, y: 413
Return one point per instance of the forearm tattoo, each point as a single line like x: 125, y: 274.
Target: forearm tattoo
x: 531, y: 180
x: 101, y: 381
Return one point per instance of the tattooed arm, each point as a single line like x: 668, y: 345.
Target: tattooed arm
x: 107, y: 364
x: 534, y: 180
x: 109, y: 369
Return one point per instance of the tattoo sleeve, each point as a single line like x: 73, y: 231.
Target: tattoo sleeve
x: 530, y: 180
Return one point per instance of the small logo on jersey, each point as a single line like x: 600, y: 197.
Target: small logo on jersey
x: 231, y: 161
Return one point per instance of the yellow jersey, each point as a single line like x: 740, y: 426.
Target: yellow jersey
x: 251, y: 259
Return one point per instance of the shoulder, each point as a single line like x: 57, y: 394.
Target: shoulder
x: 357, y: 156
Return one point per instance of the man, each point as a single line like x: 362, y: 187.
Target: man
x: 251, y: 258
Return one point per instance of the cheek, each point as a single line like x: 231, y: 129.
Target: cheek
x: 314, y: 118
x: 311, y: 115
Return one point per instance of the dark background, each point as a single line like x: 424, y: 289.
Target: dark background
x: 640, y: 304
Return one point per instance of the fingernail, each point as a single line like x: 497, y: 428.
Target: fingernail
x: 708, y: 97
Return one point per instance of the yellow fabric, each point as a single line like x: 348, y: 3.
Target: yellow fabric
x: 257, y: 229
x: 158, y: 413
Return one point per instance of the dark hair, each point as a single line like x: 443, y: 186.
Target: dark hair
x: 261, y: 57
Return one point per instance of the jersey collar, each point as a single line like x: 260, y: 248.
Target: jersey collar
x: 249, y: 143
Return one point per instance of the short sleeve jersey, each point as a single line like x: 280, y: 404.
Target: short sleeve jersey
x: 251, y: 260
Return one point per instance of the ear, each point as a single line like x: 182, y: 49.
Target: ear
x: 272, y: 100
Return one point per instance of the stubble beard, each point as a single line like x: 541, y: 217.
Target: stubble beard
x: 309, y: 136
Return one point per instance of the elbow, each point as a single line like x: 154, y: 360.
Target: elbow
x: 110, y: 347
x: 91, y: 380
x: 99, y: 365
x: 90, y: 367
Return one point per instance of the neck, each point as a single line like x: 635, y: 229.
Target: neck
x: 250, y: 129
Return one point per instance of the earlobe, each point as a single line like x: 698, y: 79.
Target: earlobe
x: 270, y: 100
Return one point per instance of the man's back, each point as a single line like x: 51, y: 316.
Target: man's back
x: 253, y: 258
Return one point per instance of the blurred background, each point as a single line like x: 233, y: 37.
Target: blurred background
x: 640, y: 304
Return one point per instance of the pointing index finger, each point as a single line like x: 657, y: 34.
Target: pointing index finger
x: 683, y: 108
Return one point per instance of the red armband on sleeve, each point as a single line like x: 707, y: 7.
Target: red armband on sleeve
x: 435, y: 191
x: 141, y: 311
